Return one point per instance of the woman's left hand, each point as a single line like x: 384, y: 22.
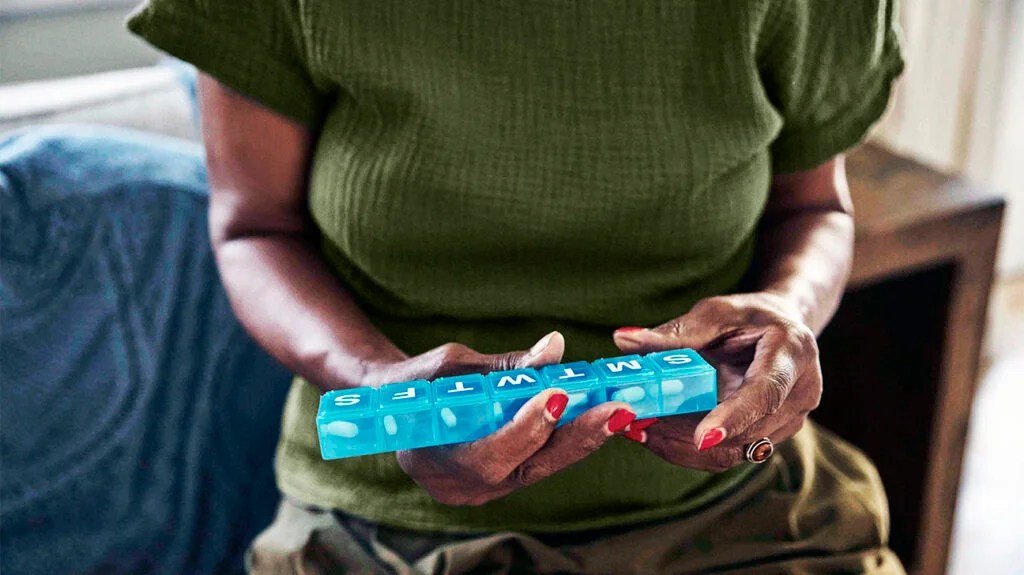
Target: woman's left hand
x: 769, y: 378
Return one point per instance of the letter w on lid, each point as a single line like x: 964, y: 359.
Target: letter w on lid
x: 515, y: 382
x: 517, y: 379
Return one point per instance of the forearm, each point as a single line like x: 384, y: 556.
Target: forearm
x: 805, y: 247
x: 806, y: 259
x: 265, y: 242
x: 287, y: 298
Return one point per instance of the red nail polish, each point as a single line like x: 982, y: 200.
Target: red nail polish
x: 620, y: 419
x: 629, y: 329
x: 556, y: 405
x: 642, y: 424
x: 636, y: 435
x: 711, y: 438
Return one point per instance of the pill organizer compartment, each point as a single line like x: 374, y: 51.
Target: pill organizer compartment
x: 632, y: 380
x: 688, y: 383
x: 406, y: 415
x: 463, y: 408
x: 580, y: 381
x: 347, y: 423
x: 510, y: 390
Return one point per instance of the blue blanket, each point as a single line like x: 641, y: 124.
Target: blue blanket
x: 138, y: 418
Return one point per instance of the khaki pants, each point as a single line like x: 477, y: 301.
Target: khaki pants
x: 816, y: 507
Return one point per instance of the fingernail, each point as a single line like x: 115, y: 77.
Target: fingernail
x: 628, y: 330
x: 642, y: 424
x: 542, y: 344
x: 711, y: 438
x: 636, y: 435
x: 556, y: 405
x: 620, y: 419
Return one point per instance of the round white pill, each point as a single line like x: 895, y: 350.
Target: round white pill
x: 390, y: 425
x: 342, y: 429
x: 577, y: 398
x: 448, y: 417
x: 629, y: 394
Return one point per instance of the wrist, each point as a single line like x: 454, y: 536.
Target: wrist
x: 360, y: 366
x: 789, y: 302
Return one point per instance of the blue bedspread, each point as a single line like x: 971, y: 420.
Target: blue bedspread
x: 138, y: 418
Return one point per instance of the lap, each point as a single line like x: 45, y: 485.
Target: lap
x: 817, y: 507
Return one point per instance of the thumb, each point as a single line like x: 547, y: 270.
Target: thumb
x: 547, y: 350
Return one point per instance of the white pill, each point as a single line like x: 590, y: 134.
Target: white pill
x: 629, y: 394
x: 498, y: 412
x: 343, y: 429
x: 448, y: 417
x: 390, y: 425
x: 577, y: 398
x: 672, y: 387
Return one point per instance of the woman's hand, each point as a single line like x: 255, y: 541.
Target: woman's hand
x: 523, y: 451
x: 768, y: 376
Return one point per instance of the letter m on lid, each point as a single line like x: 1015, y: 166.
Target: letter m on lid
x: 618, y: 366
x: 516, y: 379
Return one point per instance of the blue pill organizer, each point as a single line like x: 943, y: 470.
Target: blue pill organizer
x: 420, y: 413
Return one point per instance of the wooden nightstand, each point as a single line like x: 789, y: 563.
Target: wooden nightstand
x: 901, y: 357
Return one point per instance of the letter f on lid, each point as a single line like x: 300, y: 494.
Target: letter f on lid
x: 409, y: 394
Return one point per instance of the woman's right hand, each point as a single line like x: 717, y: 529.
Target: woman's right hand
x: 523, y: 451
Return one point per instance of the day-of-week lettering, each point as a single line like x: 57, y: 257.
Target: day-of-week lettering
x: 347, y: 399
x: 619, y: 366
x: 459, y: 386
x: 677, y: 359
x: 409, y: 394
x: 569, y: 373
x: 520, y: 378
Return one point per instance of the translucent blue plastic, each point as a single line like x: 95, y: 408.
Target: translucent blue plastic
x: 419, y: 413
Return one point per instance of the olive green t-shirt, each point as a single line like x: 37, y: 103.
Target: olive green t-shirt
x: 489, y: 171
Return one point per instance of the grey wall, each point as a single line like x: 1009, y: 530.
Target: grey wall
x: 68, y: 41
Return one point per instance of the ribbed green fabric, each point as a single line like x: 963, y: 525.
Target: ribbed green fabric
x: 488, y: 171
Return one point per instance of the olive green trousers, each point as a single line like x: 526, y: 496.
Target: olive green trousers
x: 817, y: 506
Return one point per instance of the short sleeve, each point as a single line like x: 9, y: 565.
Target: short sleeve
x: 255, y: 47
x: 828, y: 68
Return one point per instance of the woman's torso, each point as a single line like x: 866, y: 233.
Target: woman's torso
x: 490, y: 171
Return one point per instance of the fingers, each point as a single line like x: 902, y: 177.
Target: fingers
x: 574, y: 442
x: 499, y: 454
x: 699, y: 328
x: 635, y: 431
x: 725, y: 457
x: 780, y: 359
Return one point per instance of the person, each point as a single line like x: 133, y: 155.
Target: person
x: 404, y: 190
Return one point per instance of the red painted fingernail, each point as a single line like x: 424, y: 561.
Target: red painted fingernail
x: 620, y: 419
x: 636, y: 435
x: 629, y: 329
x: 711, y: 438
x: 556, y: 405
x: 642, y: 424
